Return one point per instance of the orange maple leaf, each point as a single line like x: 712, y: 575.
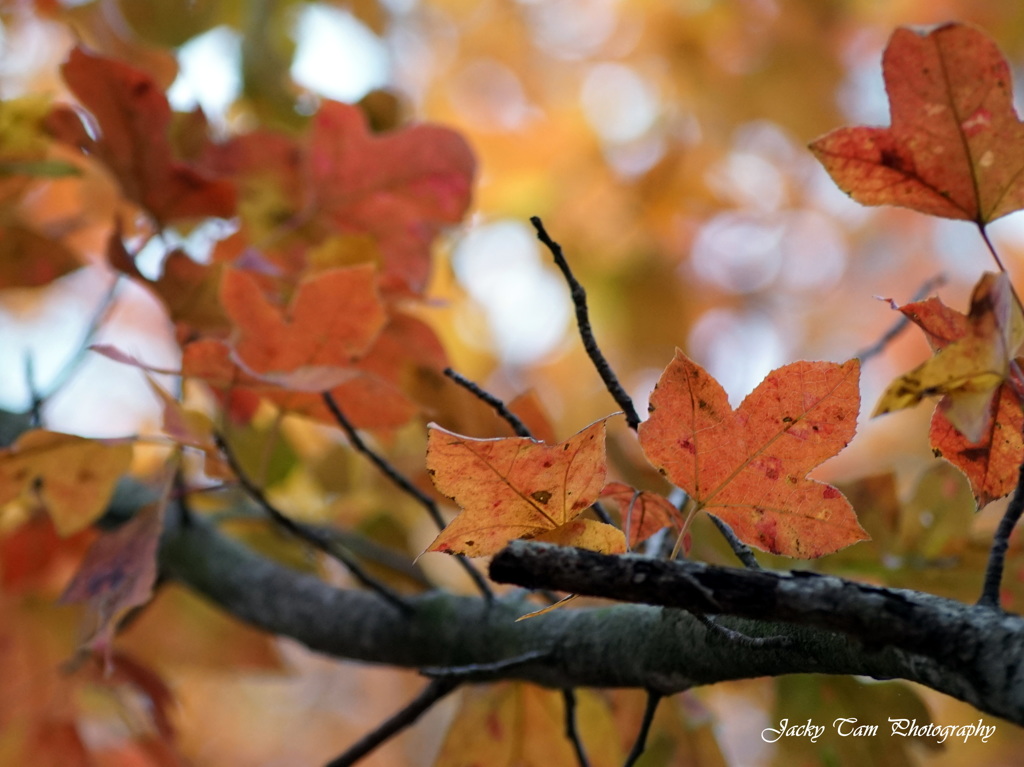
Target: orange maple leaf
x: 978, y: 423
x: 401, y: 187
x: 516, y: 487
x: 749, y: 466
x: 956, y: 146
x: 134, y: 119
x: 332, y: 320
x: 973, y: 357
x: 371, y: 392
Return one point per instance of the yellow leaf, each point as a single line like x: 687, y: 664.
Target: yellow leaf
x: 73, y: 476
x: 971, y: 369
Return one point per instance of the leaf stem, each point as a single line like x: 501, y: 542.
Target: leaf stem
x: 999, y: 262
x: 579, y: 300
x: 693, y: 507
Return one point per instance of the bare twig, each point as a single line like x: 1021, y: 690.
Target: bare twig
x: 579, y: 300
x: 1000, y: 542
x: 478, y: 672
x: 900, y: 325
x: 98, y: 318
x: 569, y: 696
x: 738, y: 637
x: 511, y: 418
x: 311, y: 535
x: 432, y: 693
x: 404, y: 484
x: 739, y: 548
x: 653, y: 699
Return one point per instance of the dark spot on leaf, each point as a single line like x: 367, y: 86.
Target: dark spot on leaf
x: 830, y: 492
x: 975, y: 454
x: 541, y: 496
x: 787, y: 419
x: 936, y: 452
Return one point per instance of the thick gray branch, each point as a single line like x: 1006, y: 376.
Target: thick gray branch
x: 628, y: 645
x: 971, y: 652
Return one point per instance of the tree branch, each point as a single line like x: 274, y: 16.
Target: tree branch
x: 836, y: 626
x: 973, y: 652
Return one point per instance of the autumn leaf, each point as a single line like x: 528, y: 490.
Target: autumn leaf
x: 73, y: 476
x: 643, y: 513
x: 748, y: 467
x: 332, y: 320
x: 978, y: 423
x: 516, y: 487
x: 401, y: 187
x: 956, y: 146
x: 973, y: 357
x: 117, y: 574
x: 134, y: 120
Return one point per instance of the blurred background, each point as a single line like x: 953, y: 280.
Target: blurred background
x: 663, y: 144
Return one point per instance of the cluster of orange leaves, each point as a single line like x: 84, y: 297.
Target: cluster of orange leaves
x: 952, y: 151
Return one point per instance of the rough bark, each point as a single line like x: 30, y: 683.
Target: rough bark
x: 832, y: 625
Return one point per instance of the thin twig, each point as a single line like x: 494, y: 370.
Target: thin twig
x: 579, y: 300
x: 404, y: 484
x: 569, y: 696
x: 653, y: 699
x: 97, y: 320
x: 310, y: 535
x: 1000, y: 542
x: 738, y: 637
x: 432, y: 693
x: 739, y: 548
x: 500, y: 408
x: 901, y: 324
x: 480, y: 671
